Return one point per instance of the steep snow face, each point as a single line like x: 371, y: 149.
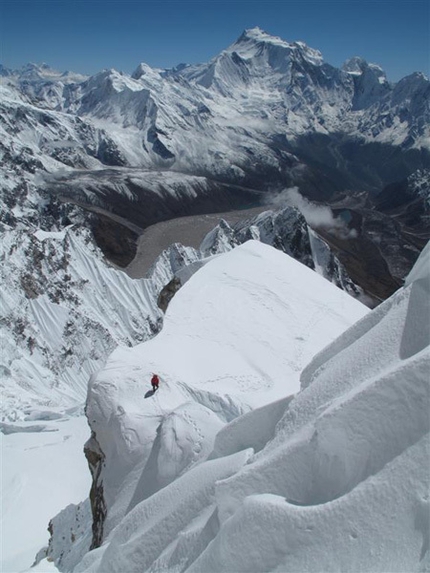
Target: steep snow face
x: 349, y: 441
x: 341, y: 480
x: 64, y: 309
x: 370, y: 82
x: 235, y: 337
x: 254, y: 56
x: 41, y: 83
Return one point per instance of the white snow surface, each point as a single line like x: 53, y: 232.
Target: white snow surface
x: 43, y: 470
x: 235, y: 337
x: 64, y: 309
x: 335, y: 478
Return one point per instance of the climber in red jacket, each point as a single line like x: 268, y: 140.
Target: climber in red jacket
x: 155, y: 381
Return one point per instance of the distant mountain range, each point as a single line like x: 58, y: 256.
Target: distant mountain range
x: 261, y: 117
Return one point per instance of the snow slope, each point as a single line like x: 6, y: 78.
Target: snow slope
x: 57, y: 329
x: 63, y: 310
x: 42, y: 471
x: 235, y: 337
x: 341, y: 482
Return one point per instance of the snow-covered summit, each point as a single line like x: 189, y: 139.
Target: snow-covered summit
x: 254, y: 41
x: 334, y: 478
x: 142, y: 70
x: 256, y: 58
x: 358, y: 65
x: 235, y: 337
x: 370, y: 81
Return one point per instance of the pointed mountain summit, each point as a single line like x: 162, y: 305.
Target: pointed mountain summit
x: 255, y: 42
x: 255, y: 56
x: 370, y: 82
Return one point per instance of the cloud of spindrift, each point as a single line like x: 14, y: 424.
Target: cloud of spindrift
x: 318, y: 216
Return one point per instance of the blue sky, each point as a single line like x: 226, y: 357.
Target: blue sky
x: 89, y: 35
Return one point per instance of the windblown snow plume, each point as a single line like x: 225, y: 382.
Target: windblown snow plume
x: 317, y: 216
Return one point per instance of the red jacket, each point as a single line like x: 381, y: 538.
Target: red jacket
x: 155, y: 380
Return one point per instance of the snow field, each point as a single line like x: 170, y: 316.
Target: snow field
x: 42, y: 472
x: 379, y: 526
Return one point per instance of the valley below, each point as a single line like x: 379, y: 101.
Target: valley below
x: 188, y: 231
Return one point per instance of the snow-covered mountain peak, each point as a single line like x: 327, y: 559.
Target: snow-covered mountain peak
x: 257, y: 35
x: 413, y: 85
x: 255, y: 42
x: 256, y: 60
x: 370, y: 81
x: 32, y: 71
x: 355, y: 65
x: 144, y: 70
x: 4, y: 72
x: 42, y: 73
x: 122, y: 82
x: 358, y: 66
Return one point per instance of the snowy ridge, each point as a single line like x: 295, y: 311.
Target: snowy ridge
x: 258, y: 361
x: 335, y: 477
x: 65, y: 309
